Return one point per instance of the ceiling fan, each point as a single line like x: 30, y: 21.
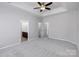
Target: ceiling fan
x: 43, y: 6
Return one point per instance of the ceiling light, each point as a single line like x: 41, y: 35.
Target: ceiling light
x: 42, y: 7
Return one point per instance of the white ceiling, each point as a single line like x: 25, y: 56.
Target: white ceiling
x: 56, y: 7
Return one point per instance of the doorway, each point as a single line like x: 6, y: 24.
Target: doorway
x: 43, y: 29
x: 24, y: 31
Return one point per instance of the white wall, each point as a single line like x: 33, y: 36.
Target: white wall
x: 78, y: 28
x: 10, y: 26
x: 63, y: 26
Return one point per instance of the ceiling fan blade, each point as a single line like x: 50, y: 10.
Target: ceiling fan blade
x: 36, y: 7
x: 48, y: 4
x: 48, y: 8
x: 39, y: 3
x: 41, y: 10
x: 43, y: 3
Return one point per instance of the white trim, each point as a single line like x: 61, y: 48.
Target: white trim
x: 9, y: 45
x: 64, y: 40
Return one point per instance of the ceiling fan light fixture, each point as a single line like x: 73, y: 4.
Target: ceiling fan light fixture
x: 42, y: 7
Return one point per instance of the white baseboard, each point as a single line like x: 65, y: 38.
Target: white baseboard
x: 12, y: 44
